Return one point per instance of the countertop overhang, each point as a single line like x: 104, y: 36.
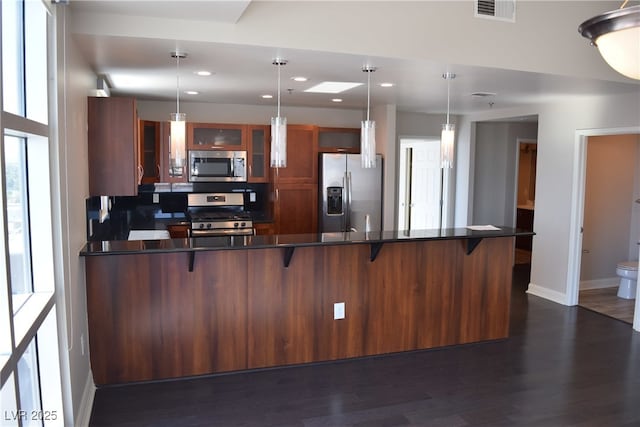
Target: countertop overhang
x: 198, y: 244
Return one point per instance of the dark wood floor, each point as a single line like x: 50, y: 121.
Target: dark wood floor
x: 561, y: 366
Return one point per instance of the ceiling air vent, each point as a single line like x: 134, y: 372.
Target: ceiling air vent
x: 503, y: 10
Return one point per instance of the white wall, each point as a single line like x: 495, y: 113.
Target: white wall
x: 386, y: 144
x: 608, y: 204
x: 75, y: 80
x: 557, y: 127
x: 494, y: 175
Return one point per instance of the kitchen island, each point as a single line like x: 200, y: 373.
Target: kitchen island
x: 175, y: 308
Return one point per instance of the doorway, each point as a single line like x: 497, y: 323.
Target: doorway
x: 420, y: 184
x: 610, y: 222
x: 577, y: 214
x: 525, y: 195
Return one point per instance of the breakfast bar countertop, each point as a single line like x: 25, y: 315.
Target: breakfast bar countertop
x: 197, y: 244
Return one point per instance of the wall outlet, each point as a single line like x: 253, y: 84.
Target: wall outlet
x: 82, y: 344
x: 338, y: 310
x: 156, y: 198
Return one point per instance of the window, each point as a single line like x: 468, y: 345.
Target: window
x: 30, y: 387
x: 15, y: 161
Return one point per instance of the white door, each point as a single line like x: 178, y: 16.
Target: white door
x: 420, y: 190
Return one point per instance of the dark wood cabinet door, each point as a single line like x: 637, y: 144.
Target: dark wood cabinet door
x: 149, y: 150
x: 213, y: 136
x: 339, y: 140
x: 302, y: 156
x: 296, y: 208
x: 114, y: 167
x: 258, y: 152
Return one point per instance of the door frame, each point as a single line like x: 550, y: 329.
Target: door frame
x: 577, y: 212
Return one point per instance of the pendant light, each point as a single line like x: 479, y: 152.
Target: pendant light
x: 279, y: 129
x: 616, y: 34
x: 448, y: 131
x: 368, y: 129
x: 177, y: 130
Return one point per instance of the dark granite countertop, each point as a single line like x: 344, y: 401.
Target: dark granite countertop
x: 196, y: 244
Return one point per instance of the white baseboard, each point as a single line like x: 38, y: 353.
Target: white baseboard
x: 549, y: 294
x: 610, y: 282
x: 86, y: 405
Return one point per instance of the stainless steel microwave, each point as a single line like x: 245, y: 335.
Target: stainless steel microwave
x: 217, y: 166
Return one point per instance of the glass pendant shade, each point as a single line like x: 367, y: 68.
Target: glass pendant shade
x: 176, y: 144
x: 621, y: 50
x: 446, y: 145
x: 617, y: 36
x: 278, y: 142
x: 368, y: 144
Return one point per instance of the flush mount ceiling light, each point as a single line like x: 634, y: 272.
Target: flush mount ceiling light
x: 387, y: 84
x: 616, y: 34
x: 299, y: 79
x: 332, y: 87
x: 279, y: 128
x: 448, y: 130
x: 368, y: 129
x: 203, y: 73
x: 178, y: 121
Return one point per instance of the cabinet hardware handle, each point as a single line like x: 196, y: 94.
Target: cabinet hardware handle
x: 250, y: 171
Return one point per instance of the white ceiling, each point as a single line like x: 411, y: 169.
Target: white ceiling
x: 144, y: 68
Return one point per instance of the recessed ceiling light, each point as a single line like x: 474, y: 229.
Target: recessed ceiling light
x: 336, y: 100
x: 387, y: 84
x: 267, y: 96
x: 191, y: 92
x: 299, y: 79
x: 332, y: 87
x: 203, y: 73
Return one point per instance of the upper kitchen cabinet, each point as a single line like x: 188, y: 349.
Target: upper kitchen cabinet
x: 339, y: 140
x: 302, y: 156
x: 114, y: 167
x: 258, y: 151
x: 149, y: 150
x: 212, y: 136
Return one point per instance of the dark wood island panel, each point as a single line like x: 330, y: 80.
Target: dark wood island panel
x: 150, y: 318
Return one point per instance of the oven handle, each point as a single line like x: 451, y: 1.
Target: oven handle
x: 223, y: 232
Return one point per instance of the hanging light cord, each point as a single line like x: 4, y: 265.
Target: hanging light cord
x: 279, y: 65
x: 177, y: 83
x: 368, y: 92
x: 448, y: 96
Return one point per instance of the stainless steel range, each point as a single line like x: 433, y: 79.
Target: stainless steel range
x: 218, y: 214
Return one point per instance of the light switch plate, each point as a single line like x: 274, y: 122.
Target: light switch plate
x: 156, y: 198
x: 338, y: 310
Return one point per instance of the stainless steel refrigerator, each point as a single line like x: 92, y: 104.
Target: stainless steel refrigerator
x: 350, y: 196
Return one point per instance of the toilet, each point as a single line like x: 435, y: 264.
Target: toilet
x: 628, y: 272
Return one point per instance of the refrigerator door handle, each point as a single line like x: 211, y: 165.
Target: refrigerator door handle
x: 349, y: 228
